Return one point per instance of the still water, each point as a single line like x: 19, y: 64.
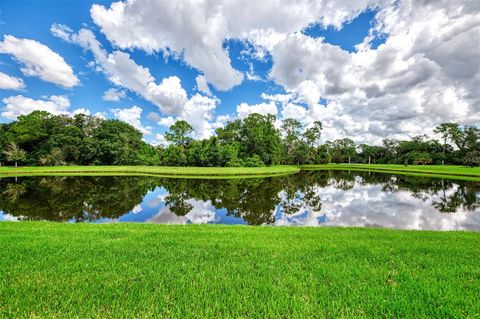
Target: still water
x: 315, y: 198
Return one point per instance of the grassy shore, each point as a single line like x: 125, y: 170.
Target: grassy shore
x: 447, y: 171
x: 50, y: 270
x: 164, y: 171
x: 441, y: 171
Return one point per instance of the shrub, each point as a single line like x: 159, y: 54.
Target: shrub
x: 253, y: 161
x: 472, y: 159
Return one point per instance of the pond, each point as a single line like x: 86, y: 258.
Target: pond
x: 310, y: 198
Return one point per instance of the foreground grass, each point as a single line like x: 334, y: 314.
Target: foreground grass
x: 164, y: 171
x: 50, y: 270
x: 443, y: 171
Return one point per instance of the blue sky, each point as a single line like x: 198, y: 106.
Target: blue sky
x: 339, y: 65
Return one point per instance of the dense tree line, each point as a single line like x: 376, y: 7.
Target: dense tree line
x: 41, y: 138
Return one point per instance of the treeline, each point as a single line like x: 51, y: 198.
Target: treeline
x: 41, y: 138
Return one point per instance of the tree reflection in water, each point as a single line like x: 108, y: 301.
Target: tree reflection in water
x: 253, y: 200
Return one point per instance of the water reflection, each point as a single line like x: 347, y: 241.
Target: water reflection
x: 310, y: 198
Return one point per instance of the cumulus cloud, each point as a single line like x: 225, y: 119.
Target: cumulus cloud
x: 132, y: 116
x: 198, y: 111
x: 14, y: 106
x: 114, y: 95
x: 202, y: 85
x: 426, y: 72
x: 196, y: 30
x: 244, y: 109
x: 8, y: 82
x: 123, y: 71
x: 39, y: 60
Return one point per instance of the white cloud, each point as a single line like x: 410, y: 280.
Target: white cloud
x: 294, y: 111
x: 159, y: 140
x: 196, y: 30
x: 132, y: 116
x: 198, y: 111
x: 244, y: 109
x: 427, y: 71
x: 14, y: 106
x: 61, y: 31
x: 123, y: 71
x: 114, y: 95
x: 202, y: 85
x: 39, y: 60
x: 8, y: 82
x: 163, y: 121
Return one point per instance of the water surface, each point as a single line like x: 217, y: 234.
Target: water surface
x: 315, y: 198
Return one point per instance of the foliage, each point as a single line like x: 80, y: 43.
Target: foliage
x: 15, y: 153
x: 472, y: 159
x: 46, y: 139
x: 178, y: 133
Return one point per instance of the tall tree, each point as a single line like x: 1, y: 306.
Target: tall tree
x: 449, y: 131
x: 179, y: 133
x: 261, y: 138
x: 291, y: 136
x: 313, y: 133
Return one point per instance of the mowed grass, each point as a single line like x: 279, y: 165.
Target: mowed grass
x: 164, y: 171
x: 442, y: 171
x: 446, y: 171
x: 50, y: 270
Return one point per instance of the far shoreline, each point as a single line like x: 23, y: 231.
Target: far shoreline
x: 436, y: 171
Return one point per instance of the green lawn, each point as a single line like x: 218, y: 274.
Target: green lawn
x: 166, y: 171
x: 50, y: 270
x: 447, y: 171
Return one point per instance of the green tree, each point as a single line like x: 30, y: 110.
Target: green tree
x: 291, y: 137
x: 472, y: 159
x: 15, y: 154
x: 178, y: 133
x: 117, y: 143
x: 449, y: 131
x: 311, y: 138
x: 313, y: 133
x: 342, y: 150
x: 56, y: 157
x: 260, y: 137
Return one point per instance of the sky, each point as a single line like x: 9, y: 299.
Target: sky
x: 367, y: 69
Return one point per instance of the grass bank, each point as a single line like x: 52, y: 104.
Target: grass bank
x: 447, y: 171
x: 139, y: 270
x: 442, y: 171
x: 163, y: 171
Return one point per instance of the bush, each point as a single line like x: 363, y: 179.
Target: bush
x: 253, y: 161
x: 472, y: 159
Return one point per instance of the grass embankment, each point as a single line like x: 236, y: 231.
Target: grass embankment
x: 163, y: 171
x: 442, y: 171
x: 447, y: 171
x: 141, y: 270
